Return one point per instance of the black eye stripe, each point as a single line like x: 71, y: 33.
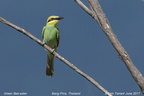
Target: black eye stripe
x: 52, y: 19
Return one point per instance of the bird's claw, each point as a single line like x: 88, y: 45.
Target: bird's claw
x: 43, y: 43
x: 52, y: 51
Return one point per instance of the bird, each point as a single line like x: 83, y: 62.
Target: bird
x: 51, y: 37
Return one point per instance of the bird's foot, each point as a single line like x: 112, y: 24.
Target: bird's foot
x: 43, y: 43
x: 52, y: 51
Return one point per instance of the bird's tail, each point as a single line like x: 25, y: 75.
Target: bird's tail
x: 50, y: 65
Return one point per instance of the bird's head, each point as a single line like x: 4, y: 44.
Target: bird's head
x: 53, y: 20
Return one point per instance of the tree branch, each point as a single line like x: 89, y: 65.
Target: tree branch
x: 56, y: 55
x: 104, y: 24
x: 84, y: 7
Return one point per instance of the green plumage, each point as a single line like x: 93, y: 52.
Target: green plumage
x: 50, y: 35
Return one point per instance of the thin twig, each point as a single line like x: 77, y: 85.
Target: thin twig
x: 84, y: 7
x: 56, y: 55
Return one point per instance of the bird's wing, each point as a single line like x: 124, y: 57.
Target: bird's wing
x: 43, y: 32
x: 58, y: 38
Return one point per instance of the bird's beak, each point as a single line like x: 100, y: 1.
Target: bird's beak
x: 60, y: 18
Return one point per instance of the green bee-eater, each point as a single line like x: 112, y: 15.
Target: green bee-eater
x: 51, y: 36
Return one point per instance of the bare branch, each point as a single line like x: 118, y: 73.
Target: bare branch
x: 56, y: 55
x: 104, y: 24
x: 100, y: 17
x: 84, y: 7
x: 116, y: 44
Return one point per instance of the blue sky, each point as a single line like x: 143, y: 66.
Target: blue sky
x: 23, y: 61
